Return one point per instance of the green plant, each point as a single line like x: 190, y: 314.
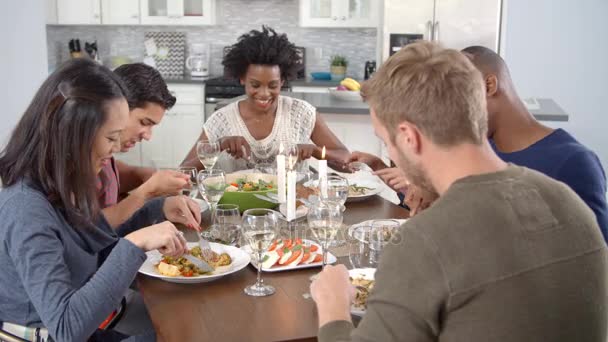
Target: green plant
x: 339, y: 60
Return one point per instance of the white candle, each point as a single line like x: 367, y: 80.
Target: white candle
x: 281, y: 174
x: 323, y: 174
x: 291, y: 192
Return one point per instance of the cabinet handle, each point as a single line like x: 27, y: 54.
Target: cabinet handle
x: 134, y: 16
x: 96, y: 16
x: 343, y: 18
x: 436, y: 35
x: 429, y: 31
x: 335, y: 18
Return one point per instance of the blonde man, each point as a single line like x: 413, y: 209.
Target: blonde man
x: 504, y: 254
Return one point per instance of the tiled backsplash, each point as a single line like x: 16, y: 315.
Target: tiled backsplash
x: 236, y: 17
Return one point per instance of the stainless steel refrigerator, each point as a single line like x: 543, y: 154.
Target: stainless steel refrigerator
x: 454, y: 23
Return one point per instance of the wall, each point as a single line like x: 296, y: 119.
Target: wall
x: 23, y: 60
x: 237, y: 17
x: 558, y: 49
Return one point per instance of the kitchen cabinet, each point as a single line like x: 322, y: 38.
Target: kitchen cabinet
x: 120, y: 12
x: 339, y: 13
x: 178, y: 12
x: 453, y: 23
x: 177, y: 132
x: 51, y: 11
x: 78, y: 12
x: 355, y: 131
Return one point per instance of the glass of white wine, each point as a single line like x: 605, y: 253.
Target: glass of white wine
x: 324, y: 221
x: 211, y: 186
x: 208, y: 152
x: 259, y: 229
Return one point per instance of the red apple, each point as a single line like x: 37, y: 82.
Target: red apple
x: 341, y: 87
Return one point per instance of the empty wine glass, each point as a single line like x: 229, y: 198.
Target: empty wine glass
x: 191, y: 172
x: 227, y: 223
x: 324, y: 221
x: 211, y: 185
x: 259, y: 227
x: 208, y: 152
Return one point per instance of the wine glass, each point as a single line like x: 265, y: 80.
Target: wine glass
x: 324, y: 221
x: 337, y: 190
x: 259, y: 228
x: 227, y: 223
x: 211, y: 185
x: 208, y: 152
x: 191, y: 172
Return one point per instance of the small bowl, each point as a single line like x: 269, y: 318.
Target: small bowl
x: 345, y: 95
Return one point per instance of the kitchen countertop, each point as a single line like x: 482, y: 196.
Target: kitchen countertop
x: 325, y: 103
x: 295, y: 83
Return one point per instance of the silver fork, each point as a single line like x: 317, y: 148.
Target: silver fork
x: 205, y: 247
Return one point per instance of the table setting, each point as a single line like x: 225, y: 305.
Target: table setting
x: 287, y: 228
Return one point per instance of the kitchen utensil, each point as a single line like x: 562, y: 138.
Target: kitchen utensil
x: 202, y: 265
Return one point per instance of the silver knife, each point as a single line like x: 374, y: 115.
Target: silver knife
x: 202, y: 265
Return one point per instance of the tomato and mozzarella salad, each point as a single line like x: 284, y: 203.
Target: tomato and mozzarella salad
x: 291, y: 252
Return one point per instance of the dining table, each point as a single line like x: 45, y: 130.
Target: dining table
x: 221, y: 311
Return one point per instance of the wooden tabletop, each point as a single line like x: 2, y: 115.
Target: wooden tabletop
x: 221, y: 311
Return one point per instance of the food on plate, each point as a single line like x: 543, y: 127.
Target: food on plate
x: 291, y: 252
x: 350, y: 84
x: 175, y: 267
x: 355, y: 190
x: 242, y: 184
x: 363, y: 287
x: 341, y: 87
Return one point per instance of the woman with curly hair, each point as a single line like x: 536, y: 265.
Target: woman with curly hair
x: 263, y: 61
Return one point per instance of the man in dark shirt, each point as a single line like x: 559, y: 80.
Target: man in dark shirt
x: 518, y: 138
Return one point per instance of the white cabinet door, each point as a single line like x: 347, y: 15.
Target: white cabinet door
x: 339, y: 13
x: 120, y: 12
x: 178, y: 12
x: 78, y: 12
x: 158, y: 152
x: 133, y: 157
x: 188, y: 127
x: 406, y: 16
x: 461, y: 23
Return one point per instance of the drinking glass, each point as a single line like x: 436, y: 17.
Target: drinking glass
x: 337, y: 190
x: 227, y: 223
x: 259, y: 227
x: 211, y: 185
x: 382, y: 233
x: 324, y: 221
x: 191, y: 172
x: 360, y: 254
x: 208, y: 152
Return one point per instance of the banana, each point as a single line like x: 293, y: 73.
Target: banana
x: 351, y: 84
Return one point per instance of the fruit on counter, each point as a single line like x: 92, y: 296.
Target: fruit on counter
x: 341, y: 87
x: 351, y: 84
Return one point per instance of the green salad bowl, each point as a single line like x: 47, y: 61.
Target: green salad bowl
x: 246, y: 199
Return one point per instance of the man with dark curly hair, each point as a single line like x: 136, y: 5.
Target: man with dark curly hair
x: 148, y: 100
x: 255, y: 126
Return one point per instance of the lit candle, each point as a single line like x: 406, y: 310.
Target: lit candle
x: 291, y: 189
x: 281, y: 174
x: 323, y: 174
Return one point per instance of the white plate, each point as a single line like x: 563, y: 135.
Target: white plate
x: 301, y: 211
x: 346, y: 95
x: 240, y: 259
x: 377, y: 188
x: 330, y: 260
x: 365, y: 273
x: 369, y: 223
